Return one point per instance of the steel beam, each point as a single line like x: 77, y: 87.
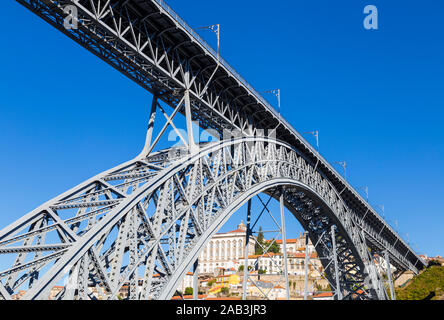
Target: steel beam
x: 335, y: 259
x: 389, y: 275
x: 247, y: 240
x: 284, y: 242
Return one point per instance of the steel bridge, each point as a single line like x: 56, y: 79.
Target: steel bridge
x: 154, y: 214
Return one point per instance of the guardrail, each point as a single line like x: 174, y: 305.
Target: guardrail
x: 258, y: 96
x: 192, y: 32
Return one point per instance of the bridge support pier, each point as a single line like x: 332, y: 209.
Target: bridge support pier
x: 247, y: 240
x: 149, y: 132
x: 306, y: 268
x: 389, y: 275
x: 284, y: 243
x: 335, y: 258
x: 196, y: 280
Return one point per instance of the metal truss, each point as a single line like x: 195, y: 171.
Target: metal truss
x: 280, y: 232
x: 150, y: 44
x: 141, y: 225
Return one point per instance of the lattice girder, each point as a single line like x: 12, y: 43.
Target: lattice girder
x: 140, y: 226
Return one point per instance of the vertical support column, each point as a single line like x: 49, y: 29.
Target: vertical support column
x: 389, y: 274
x: 284, y: 243
x: 149, y: 133
x: 189, y: 120
x: 196, y: 280
x: 214, y: 251
x: 306, y: 267
x: 247, y: 240
x: 335, y: 257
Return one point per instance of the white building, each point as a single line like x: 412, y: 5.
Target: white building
x: 273, y: 263
x: 296, y: 245
x: 225, y: 250
x: 187, y: 282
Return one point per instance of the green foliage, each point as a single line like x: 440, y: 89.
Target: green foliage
x: 225, y: 290
x: 211, y: 282
x: 241, y: 268
x: 434, y: 263
x: 260, y: 271
x: 428, y: 283
x: 320, y: 288
x: 274, y: 248
x: 260, y: 240
x: 188, y: 291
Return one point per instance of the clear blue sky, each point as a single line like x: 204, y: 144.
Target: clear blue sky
x: 375, y: 96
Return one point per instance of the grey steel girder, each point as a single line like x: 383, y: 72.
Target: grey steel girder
x: 142, y: 224
x: 149, y: 43
x: 145, y: 227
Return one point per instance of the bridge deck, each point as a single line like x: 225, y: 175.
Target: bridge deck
x: 167, y: 30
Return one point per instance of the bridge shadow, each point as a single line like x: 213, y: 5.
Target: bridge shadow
x: 430, y: 296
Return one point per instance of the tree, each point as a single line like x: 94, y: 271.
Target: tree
x: 260, y: 241
x: 225, y: 290
x: 188, y: 291
x: 274, y: 248
x: 433, y: 263
x: 241, y: 268
x: 211, y: 282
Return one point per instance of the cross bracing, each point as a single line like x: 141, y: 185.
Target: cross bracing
x: 150, y: 216
x: 107, y: 235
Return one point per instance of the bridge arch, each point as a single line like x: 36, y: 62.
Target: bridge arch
x: 152, y: 216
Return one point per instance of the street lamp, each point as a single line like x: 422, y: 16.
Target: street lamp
x: 316, y: 135
x: 383, y: 209
x: 365, y: 189
x: 343, y: 164
x: 277, y: 94
x: 216, y: 29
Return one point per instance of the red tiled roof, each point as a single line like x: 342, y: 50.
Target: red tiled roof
x: 323, y: 295
x: 236, y: 231
x: 254, y: 256
x: 288, y: 241
x: 189, y: 297
x: 302, y: 255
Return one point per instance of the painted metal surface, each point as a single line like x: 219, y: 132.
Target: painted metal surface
x: 140, y: 226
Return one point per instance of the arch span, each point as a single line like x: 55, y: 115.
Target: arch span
x: 290, y: 188
x: 142, y: 224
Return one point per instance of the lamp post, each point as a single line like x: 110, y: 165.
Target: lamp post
x: 343, y: 164
x: 365, y: 188
x: 277, y: 94
x: 383, y: 209
x: 316, y: 135
x: 216, y: 29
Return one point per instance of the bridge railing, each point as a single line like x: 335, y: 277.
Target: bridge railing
x: 258, y: 96
x: 193, y: 33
